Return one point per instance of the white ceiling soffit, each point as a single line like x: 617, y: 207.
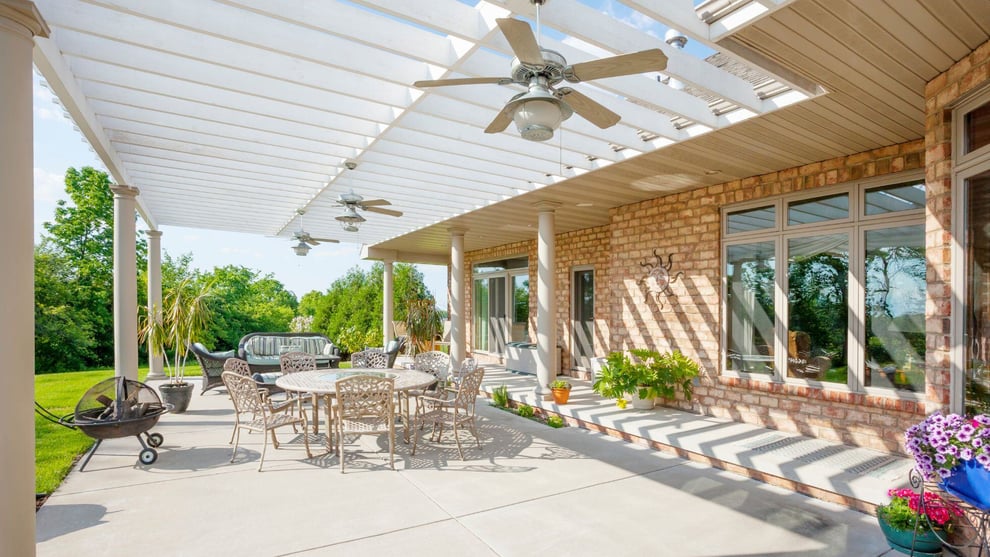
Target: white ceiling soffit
x: 233, y: 115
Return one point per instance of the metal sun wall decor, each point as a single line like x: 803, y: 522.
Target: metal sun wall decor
x: 658, y: 279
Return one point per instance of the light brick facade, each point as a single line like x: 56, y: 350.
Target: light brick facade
x: 687, y: 225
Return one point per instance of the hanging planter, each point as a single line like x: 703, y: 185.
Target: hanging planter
x: 970, y: 481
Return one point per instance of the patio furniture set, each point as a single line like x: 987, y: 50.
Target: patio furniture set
x: 365, y: 400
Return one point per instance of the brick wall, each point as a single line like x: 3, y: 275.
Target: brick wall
x: 687, y: 225
x: 582, y: 247
x: 964, y: 76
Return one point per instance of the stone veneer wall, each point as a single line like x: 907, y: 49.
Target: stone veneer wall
x: 964, y: 76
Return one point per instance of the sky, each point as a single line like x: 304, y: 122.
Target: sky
x: 58, y: 146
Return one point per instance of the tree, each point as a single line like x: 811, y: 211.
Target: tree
x: 74, y: 320
x: 350, y: 311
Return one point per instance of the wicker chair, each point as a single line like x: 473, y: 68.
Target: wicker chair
x: 451, y: 409
x: 237, y: 366
x: 254, y: 412
x: 211, y: 364
x: 365, y: 406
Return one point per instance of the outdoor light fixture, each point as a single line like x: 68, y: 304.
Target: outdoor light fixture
x: 301, y: 249
x: 537, y: 112
x: 350, y: 221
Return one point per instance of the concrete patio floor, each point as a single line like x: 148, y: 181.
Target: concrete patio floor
x: 531, y: 490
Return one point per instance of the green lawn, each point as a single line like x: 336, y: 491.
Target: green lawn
x: 57, y: 447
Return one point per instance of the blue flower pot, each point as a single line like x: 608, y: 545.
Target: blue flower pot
x: 970, y: 481
x: 924, y: 543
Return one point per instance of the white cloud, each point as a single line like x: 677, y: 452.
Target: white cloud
x: 49, y: 187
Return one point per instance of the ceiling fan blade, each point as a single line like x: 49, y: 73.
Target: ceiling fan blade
x: 521, y: 39
x: 325, y: 240
x: 374, y: 202
x: 653, y: 60
x: 501, y: 121
x: 390, y: 212
x: 463, y: 81
x: 589, y: 109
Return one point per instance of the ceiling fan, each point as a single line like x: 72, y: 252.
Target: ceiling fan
x: 305, y: 240
x: 350, y: 219
x: 540, y: 110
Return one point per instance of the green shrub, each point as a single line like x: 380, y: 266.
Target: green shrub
x: 525, y: 411
x: 500, y: 396
x: 555, y: 421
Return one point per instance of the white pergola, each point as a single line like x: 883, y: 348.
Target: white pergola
x: 236, y: 114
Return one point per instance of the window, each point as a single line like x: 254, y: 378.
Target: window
x: 970, y: 385
x: 501, y: 303
x: 845, y: 306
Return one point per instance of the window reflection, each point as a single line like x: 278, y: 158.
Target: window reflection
x: 818, y: 294
x: 750, y: 274
x: 895, y: 308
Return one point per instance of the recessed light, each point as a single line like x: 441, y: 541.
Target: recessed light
x: 584, y: 204
x: 711, y: 172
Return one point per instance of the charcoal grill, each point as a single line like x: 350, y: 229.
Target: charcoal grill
x: 113, y: 408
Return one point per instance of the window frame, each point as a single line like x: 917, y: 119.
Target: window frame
x: 855, y: 226
x: 964, y: 167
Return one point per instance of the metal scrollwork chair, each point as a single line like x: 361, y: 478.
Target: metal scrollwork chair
x: 377, y: 360
x: 365, y: 406
x: 295, y: 362
x: 254, y: 412
x: 454, y: 410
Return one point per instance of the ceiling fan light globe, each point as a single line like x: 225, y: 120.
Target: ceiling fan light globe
x: 301, y: 249
x: 536, y: 119
x: 349, y: 226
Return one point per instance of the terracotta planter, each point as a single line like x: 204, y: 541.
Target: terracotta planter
x: 560, y: 396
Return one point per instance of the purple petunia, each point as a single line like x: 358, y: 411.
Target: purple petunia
x: 940, y: 442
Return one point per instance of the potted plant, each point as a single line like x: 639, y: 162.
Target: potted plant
x: 423, y: 323
x: 185, y: 315
x: 561, y: 391
x: 955, y: 451
x: 913, y: 527
x: 648, y: 376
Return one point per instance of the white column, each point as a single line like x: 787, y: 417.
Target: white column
x: 125, y: 330
x: 19, y: 23
x: 458, y: 330
x: 387, y: 303
x: 156, y: 367
x: 546, y: 301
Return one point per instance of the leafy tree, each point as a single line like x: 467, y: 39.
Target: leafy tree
x: 350, y: 311
x: 64, y: 336
x: 74, y: 321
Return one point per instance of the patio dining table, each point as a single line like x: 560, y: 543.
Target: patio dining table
x: 323, y: 383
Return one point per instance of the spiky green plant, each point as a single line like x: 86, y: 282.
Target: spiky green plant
x: 185, y: 314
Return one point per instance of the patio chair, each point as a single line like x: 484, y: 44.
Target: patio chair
x: 377, y: 360
x: 365, y: 406
x: 254, y: 412
x: 211, y: 364
x: 360, y: 359
x: 435, y: 363
x: 451, y: 409
x: 295, y: 362
x: 263, y: 381
x: 292, y: 362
